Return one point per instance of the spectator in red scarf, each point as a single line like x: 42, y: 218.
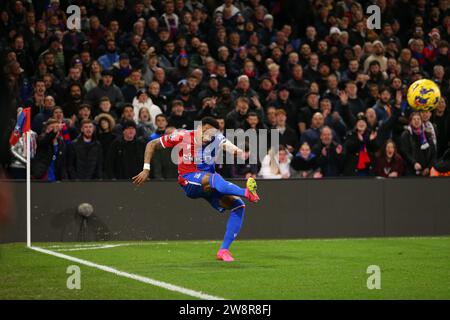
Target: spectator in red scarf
x: 360, y: 148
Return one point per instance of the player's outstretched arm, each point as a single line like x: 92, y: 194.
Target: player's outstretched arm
x: 229, y: 147
x: 148, y: 155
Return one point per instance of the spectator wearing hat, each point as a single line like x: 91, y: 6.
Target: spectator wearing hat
x: 142, y: 100
x: 376, y: 55
x: 49, y: 163
x: 298, y: 86
x: 162, y: 165
x: 121, y: 70
x: 212, y: 89
x: 85, y: 154
x: 182, y: 68
x: 360, y: 148
x: 243, y: 89
x: 55, y: 47
x: 306, y: 113
x: 126, y: 153
x: 49, y: 61
x: 189, y: 101
x: 127, y: 114
x: 105, y: 89
x: 284, y: 102
x: 179, y: 118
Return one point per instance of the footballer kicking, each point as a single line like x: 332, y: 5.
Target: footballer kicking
x: 197, y: 176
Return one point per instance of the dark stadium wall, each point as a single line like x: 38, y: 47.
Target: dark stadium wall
x: 289, y: 209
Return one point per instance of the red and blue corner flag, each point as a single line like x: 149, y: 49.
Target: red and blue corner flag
x: 23, y: 125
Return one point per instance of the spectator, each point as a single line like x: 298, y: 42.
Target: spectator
x: 49, y: 161
x: 126, y: 154
x: 275, y: 164
x: 228, y: 52
x: 105, y: 89
x: 288, y: 136
x: 389, y: 163
x: 43, y: 115
x: 417, y: 148
x: 178, y: 117
x: 104, y: 106
x: 142, y: 100
x: 95, y: 75
x: 105, y: 127
x: 360, y: 148
x: 162, y: 164
x: 85, y: 154
x: 133, y: 84
x: 312, y: 135
x: 330, y: 157
x: 161, y: 127
x: 145, y: 121
x: 110, y: 57
x: 304, y: 163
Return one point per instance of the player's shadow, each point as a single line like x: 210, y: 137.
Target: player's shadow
x: 68, y: 225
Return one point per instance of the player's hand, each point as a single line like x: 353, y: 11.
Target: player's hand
x: 242, y: 154
x: 141, y: 177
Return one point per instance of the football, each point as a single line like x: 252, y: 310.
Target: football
x: 424, y: 95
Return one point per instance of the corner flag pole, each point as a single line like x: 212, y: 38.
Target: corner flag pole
x: 28, y: 143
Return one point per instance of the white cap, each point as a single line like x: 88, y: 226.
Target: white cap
x: 268, y: 17
x: 334, y: 30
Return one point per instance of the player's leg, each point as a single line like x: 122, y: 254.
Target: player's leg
x: 216, y: 182
x: 234, y: 224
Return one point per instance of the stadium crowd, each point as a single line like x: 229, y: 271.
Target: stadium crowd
x: 312, y: 71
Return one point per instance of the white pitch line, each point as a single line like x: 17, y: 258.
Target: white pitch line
x: 70, y: 246
x: 92, y: 247
x: 153, y: 282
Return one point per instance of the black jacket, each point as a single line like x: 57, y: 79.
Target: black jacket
x: 162, y: 165
x: 85, y: 160
x: 412, y: 153
x: 352, y: 149
x: 125, y: 158
x: 332, y: 163
x: 43, y: 158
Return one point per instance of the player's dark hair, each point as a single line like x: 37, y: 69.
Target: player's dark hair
x: 211, y: 121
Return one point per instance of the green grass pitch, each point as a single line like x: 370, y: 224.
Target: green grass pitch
x: 411, y: 268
